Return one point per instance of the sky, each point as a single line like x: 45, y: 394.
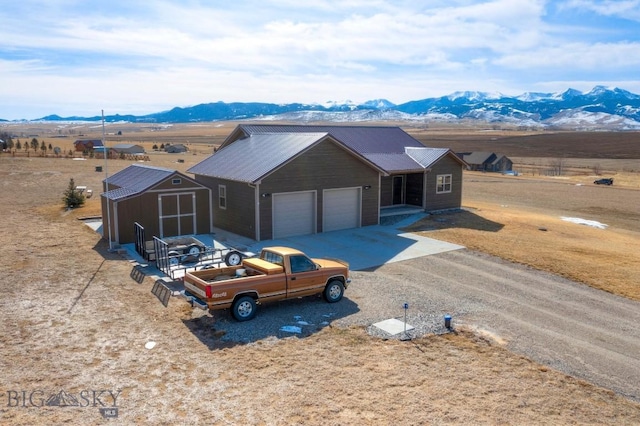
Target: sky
x: 78, y: 58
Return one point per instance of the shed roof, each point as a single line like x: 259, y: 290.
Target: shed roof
x: 135, y: 179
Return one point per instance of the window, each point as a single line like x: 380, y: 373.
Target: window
x: 301, y: 264
x: 222, y: 196
x: 271, y: 257
x: 176, y: 181
x: 443, y: 184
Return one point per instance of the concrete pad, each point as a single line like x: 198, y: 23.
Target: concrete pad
x: 365, y: 247
x: 393, y: 326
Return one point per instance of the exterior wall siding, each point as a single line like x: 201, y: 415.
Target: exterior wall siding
x: 451, y: 200
x: 324, y: 166
x: 386, y: 192
x: 239, y: 216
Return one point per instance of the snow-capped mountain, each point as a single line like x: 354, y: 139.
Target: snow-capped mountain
x: 601, y: 108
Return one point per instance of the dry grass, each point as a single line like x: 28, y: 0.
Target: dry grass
x: 74, y: 319
x: 604, y: 259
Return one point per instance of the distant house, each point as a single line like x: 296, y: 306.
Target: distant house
x: 275, y: 181
x: 174, y: 149
x: 83, y: 145
x: 486, y: 161
x: 127, y: 148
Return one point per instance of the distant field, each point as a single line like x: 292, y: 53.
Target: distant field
x: 513, y: 143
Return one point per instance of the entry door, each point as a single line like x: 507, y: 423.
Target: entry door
x: 177, y: 214
x: 398, y: 190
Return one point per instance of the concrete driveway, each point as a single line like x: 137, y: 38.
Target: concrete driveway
x: 366, y: 247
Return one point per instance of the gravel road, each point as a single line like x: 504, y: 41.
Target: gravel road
x: 567, y: 326
x: 573, y: 328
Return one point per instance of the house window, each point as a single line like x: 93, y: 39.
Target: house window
x: 443, y: 184
x: 222, y: 196
x: 176, y: 181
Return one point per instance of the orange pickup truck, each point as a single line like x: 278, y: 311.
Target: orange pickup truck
x: 279, y: 273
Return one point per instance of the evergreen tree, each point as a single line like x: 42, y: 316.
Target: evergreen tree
x: 72, y: 197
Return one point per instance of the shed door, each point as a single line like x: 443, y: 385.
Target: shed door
x: 177, y: 214
x: 341, y: 209
x: 294, y: 214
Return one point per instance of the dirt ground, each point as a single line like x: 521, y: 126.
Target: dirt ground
x: 76, y: 325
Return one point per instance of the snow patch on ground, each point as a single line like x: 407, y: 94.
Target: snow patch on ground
x: 580, y: 221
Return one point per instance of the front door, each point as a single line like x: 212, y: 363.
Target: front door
x: 397, y: 190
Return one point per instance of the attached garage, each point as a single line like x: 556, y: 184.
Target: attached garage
x: 341, y: 208
x: 294, y: 214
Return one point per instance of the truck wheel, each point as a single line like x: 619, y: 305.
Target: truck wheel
x: 333, y: 291
x: 233, y: 258
x: 244, y: 308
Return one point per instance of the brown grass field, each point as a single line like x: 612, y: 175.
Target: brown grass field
x: 73, y: 318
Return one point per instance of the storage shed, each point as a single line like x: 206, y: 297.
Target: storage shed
x: 164, y: 201
x: 274, y: 181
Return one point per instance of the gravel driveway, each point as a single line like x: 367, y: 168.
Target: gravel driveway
x: 567, y: 326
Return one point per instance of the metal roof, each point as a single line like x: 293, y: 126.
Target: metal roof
x: 251, y: 151
x: 477, y: 157
x: 252, y: 158
x: 135, y: 179
x: 361, y: 139
x: 394, y: 162
x: 427, y: 157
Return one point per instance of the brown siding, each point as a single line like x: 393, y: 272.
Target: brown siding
x: 239, y: 216
x: 385, y: 191
x: 325, y: 166
x: 446, y: 165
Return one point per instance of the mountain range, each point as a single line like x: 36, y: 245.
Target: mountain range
x: 602, y: 108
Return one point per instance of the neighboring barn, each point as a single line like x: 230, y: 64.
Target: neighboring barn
x: 83, y: 145
x: 165, y: 202
x: 127, y: 148
x: 486, y: 161
x: 273, y: 181
x: 175, y: 149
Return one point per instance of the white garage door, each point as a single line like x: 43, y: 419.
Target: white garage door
x: 341, y: 209
x: 294, y: 214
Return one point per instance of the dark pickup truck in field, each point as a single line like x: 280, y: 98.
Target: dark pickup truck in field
x: 279, y: 273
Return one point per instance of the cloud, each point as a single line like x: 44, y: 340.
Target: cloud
x: 132, y: 56
x: 624, y: 9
